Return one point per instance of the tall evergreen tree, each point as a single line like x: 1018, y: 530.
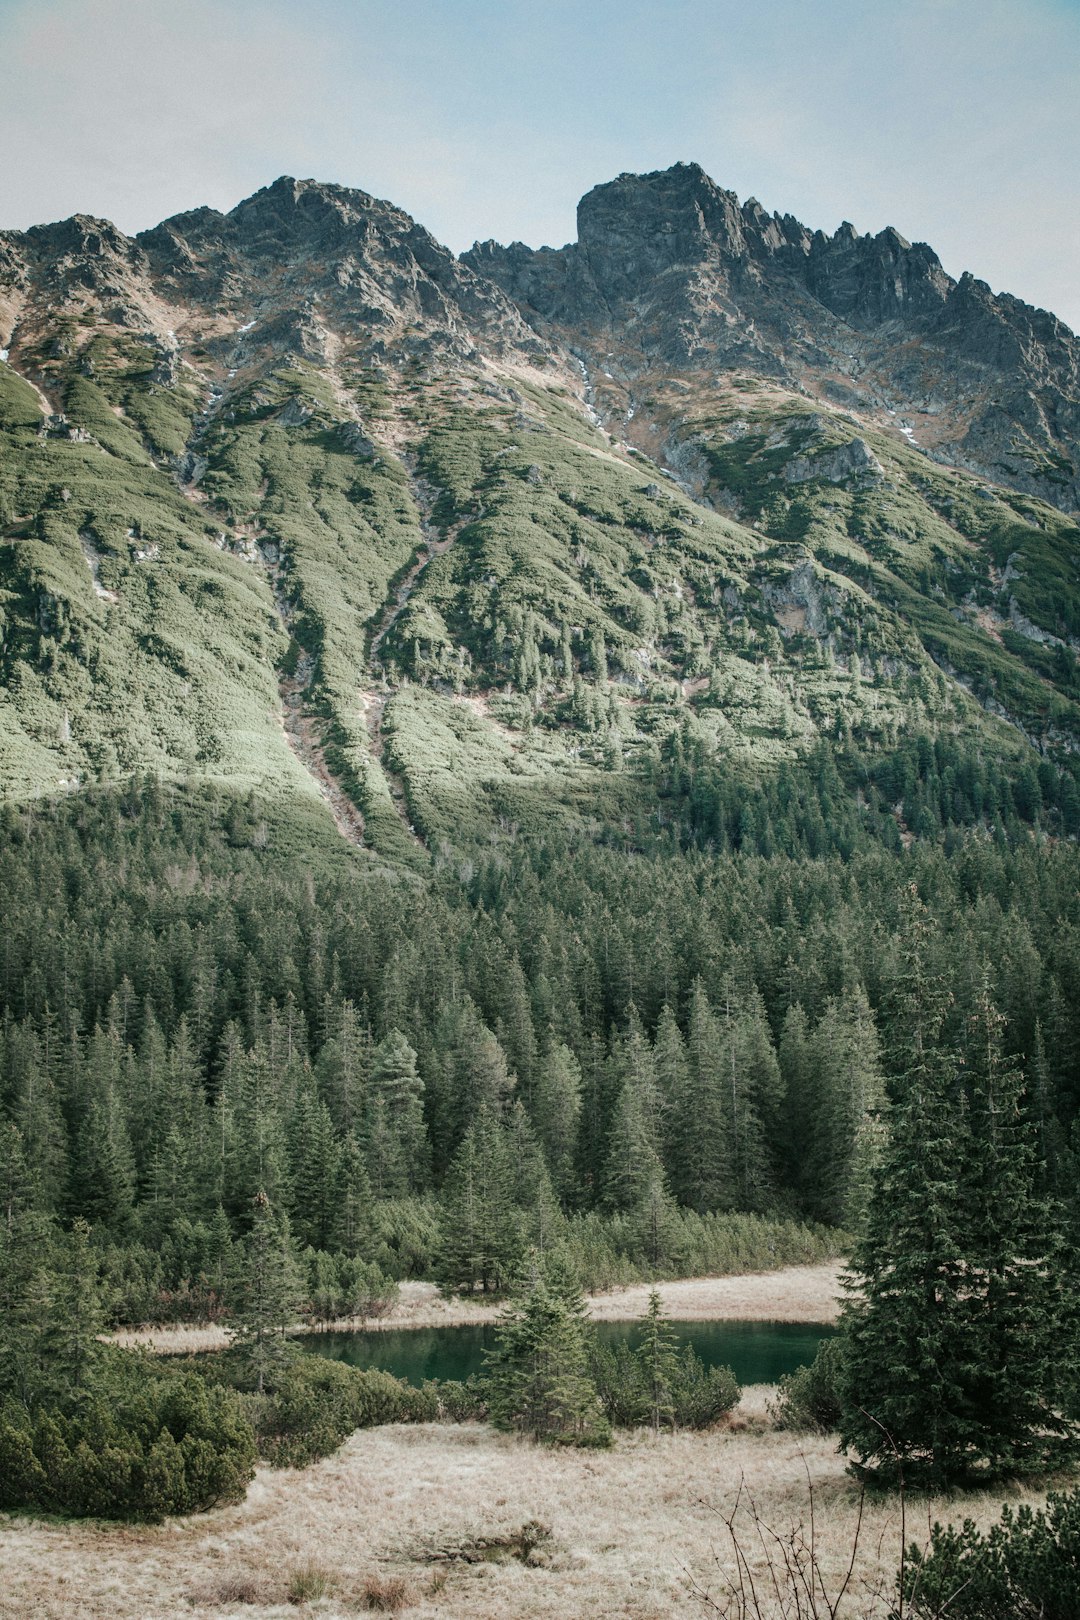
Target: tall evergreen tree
x: 78, y: 1313
x: 314, y: 1171
x: 398, y: 1156
x: 556, y: 1113
x: 538, y: 1375
x: 657, y: 1356
x: 479, y: 1243
x: 958, y: 1315
x: 701, y: 1139
x: 1019, y: 1295
x: 265, y: 1292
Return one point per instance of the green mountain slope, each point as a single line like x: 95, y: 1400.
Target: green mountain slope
x: 380, y: 546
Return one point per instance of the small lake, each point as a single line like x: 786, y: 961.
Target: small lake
x: 757, y: 1352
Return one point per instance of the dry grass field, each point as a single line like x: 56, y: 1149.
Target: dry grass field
x: 460, y: 1522
x: 427, y: 1522
x: 795, y: 1294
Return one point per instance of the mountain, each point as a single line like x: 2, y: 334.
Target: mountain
x: 295, y: 502
x: 670, y: 272
x: 518, y: 761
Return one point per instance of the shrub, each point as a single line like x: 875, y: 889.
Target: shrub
x: 620, y: 1383
x: 145, y: 1451
x: 808, y: 1398
x: 1026, y: 1567
x: 458, y: 1402
x: 702, y: 1395
x: 316, y: 1404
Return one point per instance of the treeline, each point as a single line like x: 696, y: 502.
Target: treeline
x: 842, y: 799
x: 430, y: 1078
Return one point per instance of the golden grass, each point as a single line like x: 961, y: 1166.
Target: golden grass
x: 390, y: 1520
x: 796, y: 1294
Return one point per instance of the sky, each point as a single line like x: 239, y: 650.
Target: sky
x: 957, y: 121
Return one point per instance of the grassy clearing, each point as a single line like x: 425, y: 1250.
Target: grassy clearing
x: 459, y: 1521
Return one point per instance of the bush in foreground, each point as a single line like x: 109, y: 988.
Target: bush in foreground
x: 159, y: 1447
x: 808, y: 1399
x: 1027, y: 1567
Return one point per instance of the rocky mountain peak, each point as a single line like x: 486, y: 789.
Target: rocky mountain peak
x: 670, y: 272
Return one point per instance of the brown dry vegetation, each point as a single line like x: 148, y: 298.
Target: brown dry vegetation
x: 795, y: 1294
x: 460, y: 1521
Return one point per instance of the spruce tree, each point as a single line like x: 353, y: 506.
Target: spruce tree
x: 905, y: 1346
x: 314, y: 1166
x: 396, y: 1136
x: 479, y: 1245
x: 657, y: 1356
x: 78, y: 1311
x: 700, y: 1134
x: 1019, y: 1294
x: 556, y: 1112
x: 266, y: 1292
x: 538, y: 1375
x: 960, y: 1323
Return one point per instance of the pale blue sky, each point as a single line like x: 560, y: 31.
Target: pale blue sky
x: 958, y: 121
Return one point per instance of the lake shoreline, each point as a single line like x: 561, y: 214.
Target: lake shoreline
x: 808, y: 1294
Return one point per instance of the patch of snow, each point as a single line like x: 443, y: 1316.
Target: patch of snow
x: 246, y: 327
x: 630, y: 414
x: 4, y: 353
x: 232, y: 373
x: 908, y: 434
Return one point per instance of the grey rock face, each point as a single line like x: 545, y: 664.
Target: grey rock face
x: 669, y: 270
x: 290, y: 273
x: 854, y: 460
x: 802, y: 602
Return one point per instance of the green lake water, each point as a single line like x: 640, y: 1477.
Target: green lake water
x: 757, y: 1352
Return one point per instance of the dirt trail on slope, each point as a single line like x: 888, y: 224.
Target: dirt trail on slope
x: 301, y: 736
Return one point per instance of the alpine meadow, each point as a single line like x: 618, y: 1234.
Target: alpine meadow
x: 526, y: 775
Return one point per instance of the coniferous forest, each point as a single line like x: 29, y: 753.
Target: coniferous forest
x: 487, y: 809
x: 247, y: 1085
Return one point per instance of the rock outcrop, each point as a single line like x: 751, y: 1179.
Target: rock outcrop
x: 670, y: 270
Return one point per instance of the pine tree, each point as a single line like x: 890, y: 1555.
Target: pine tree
x: 701, y: 1137
x: 28, y: 1287
x: 78, y: 1313
x: 538, y: 1216
x: 102, y: 1170
x: 343, y: 1065
x: 265, y: 1292
x: 633, y: 1158
x: 314, y: 1167
x: 1018, y: 1299
x: 752, y: 1094
x: 556, y: 1112
x: 354, y: 1198
x: 658, y: 1359
x: 902, y: 1322
x: 398, y: 1155
x: 479, y: 1244
x: 669, y: 1062
x: 959, y: 1324
x: 538, y: 1377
